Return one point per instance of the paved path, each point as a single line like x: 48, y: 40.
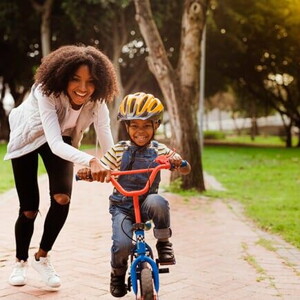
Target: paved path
x: 220, y: 254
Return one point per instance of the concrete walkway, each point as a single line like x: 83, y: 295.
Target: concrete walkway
x: 220, y: 254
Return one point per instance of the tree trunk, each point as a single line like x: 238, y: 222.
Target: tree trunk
x: 298, y: 144
x: 179, y: 87
x: 220, y: 119
x: 288, y: 130
x: 4, y: 127
x: 288, y: 141
x: 236, y: 127
x: 254, y: 128
x: 288, y: 134
x: 119, y: 39
x: 45, y: 27
x: 45, y: 11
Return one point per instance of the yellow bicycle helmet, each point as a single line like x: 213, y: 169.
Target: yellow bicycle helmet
x: 140, y: 106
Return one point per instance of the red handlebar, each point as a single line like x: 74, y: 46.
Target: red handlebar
x: 144, y: 190
x: 162, y: 160
x: 163, y: 164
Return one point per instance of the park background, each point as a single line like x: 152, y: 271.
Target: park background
x: 227, y: 72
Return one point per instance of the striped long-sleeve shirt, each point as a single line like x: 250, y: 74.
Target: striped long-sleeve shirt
x: 113, y: 157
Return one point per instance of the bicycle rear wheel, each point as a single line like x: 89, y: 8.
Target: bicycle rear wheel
x: 146, y: 284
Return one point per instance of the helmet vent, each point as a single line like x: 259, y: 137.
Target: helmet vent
x: 152, y: 107
x: 143, y: 102
x: 125, y: 103
x: 132, y: 104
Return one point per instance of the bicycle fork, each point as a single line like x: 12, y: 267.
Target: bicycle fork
x: 141, y: 250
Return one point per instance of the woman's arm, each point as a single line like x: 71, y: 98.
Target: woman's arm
x: 52, y: 132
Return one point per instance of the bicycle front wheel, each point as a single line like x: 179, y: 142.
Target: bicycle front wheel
x: 146, y: 284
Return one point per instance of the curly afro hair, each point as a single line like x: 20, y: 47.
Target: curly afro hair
x: 58, y: 67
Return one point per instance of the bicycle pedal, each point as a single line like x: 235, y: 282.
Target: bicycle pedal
x: 165, y: 263
x: 163, y: 270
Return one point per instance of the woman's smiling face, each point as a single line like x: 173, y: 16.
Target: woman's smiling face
x: 80, y: 87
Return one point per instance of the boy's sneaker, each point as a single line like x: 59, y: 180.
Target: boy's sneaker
x: 118, y: 288
x: 18, y: 274
x: 47, y: 271
x: 165, y: 253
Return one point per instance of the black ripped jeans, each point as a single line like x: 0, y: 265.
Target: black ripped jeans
x: 60, y: 174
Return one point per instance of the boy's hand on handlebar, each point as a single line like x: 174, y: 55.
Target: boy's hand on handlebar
x: 175, y: 161
x: 179, y: 164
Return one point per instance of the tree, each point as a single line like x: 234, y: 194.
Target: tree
x: 17, y: 51
x: 253, y: 45
x: 44, y: 10
x: 108, y: 25
x: 180, y: 85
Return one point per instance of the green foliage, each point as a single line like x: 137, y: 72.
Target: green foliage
x: 175, y: 186
x: 265, y: 180
x: 17, y: 43
x: 7, y: 178
x: 259, y: 140
x: 252, y: 46
x: 214, y: 135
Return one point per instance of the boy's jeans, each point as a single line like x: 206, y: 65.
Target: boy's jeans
x: 155, y: 208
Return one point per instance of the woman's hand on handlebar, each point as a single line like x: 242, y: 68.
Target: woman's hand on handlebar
x: 96, y: 172
x: 84, y: 174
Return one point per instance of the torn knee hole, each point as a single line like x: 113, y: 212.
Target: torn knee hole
x: 62, y: 199
x: 30, y: 214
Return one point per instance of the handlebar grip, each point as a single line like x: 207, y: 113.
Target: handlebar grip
x: 77, y: 178
x: 184, y: 163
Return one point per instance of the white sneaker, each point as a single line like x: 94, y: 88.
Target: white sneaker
x: 18, y: 274
x: 47, y: 271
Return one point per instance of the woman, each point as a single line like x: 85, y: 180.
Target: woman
x: 72, y: 86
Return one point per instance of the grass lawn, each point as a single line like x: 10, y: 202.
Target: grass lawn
x: 265, y: 180
x: 261, y: 140
x: 7, y: 178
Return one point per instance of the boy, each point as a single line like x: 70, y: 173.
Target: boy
x: 142, y: 114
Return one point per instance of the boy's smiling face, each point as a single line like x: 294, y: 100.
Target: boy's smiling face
x: 141, y: 132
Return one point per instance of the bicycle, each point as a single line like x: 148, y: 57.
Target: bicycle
x: 144, y: 270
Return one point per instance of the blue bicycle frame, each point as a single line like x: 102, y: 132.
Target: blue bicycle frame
x: 140, y: 251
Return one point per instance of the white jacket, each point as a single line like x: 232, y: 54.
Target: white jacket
x: 39, y: 118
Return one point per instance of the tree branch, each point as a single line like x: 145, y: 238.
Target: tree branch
x: 159, y: 62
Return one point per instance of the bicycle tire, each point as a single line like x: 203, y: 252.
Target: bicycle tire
x: 146, y: 284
